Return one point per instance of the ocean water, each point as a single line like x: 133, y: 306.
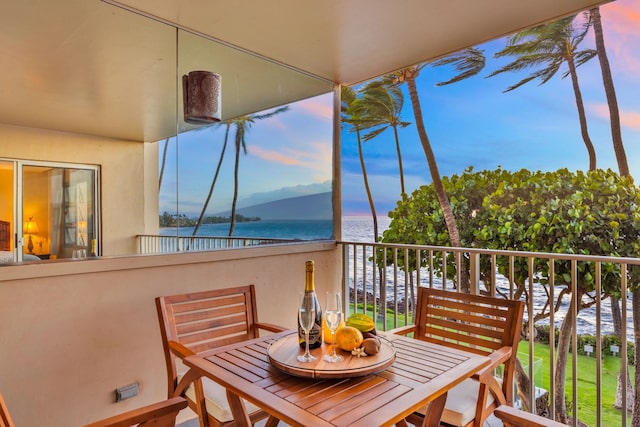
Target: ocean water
x: 274, y: 229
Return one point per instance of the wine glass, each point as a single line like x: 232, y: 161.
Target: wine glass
x: 333, y: 318
x: 306, y: 317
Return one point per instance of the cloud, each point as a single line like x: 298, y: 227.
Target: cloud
x: 620, y: 21
x: 630, y: 119
x: 321, y: 107
x: 316, y: 156
x: 275, y: 156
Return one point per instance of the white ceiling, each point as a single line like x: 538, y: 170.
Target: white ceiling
x: 348, y: 41
x: 87, y: 66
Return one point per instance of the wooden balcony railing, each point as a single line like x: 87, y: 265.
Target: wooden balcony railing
x: 382, y: 278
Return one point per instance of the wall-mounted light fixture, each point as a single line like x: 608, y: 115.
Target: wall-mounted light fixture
x: 201, y: 97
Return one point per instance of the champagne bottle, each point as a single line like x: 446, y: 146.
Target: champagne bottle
x: 315, y: 335
x: 94, y: 248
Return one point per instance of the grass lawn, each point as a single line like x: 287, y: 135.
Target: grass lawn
x: 586, y: 384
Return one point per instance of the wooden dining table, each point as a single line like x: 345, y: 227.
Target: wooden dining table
x: 419, y: 377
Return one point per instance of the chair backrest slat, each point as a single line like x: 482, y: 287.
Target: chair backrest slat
x: 190, y: 302
x: 200, y: 324
x: 473, y: 325
x: 213, y: 336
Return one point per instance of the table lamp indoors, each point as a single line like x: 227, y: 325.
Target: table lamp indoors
x: 30, y: 228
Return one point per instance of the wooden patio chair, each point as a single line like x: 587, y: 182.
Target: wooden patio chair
x: 482, y: 325
x: 162, y: 414
x: 194, y: 322
x: 512, y: 417
x: 5, y: 417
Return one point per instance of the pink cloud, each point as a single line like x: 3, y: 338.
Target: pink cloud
x: 630, y: 119
x: 321, y: 107
x: 620, y: 21
x: 315, y: 157
x: 275, y: 156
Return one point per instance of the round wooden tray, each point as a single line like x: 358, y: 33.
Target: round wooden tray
x: 283, y: 352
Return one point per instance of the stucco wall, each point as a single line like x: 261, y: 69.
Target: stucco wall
x: 128, y: 168
x: 82, y: 328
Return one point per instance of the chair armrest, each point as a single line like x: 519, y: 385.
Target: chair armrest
x: 486, y: 377
x: 498, y: 357
x: 159, y: 412
x: 180, y: 350
x: 270, y: 327
x: 517, y: 418
x: 402, y: 330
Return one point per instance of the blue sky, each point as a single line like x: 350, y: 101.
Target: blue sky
x: 471, y: 123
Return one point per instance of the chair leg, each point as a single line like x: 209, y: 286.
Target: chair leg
x: 434, y: 412
x: 201, y: 403
x: 272, y: 422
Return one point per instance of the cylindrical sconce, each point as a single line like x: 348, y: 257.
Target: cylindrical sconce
x: 201, y: 97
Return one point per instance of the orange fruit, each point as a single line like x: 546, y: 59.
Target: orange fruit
x: 348, y: 338
x: 327, y: 333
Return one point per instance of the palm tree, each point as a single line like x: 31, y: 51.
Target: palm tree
x: 164, y: 161
x: 354, y: 116
x: 242, y: 125
x: 623, y: 170
x: 549, y: 46
x: 468, y: 62
x: 383, y: 105
x: 610, y: 92
x: 215, y: 176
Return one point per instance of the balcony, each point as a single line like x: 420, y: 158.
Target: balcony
x: 375, y: 276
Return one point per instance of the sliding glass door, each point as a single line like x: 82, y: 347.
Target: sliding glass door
x: 50, y: 209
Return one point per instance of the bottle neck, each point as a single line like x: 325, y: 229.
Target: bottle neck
x: 309, y: 280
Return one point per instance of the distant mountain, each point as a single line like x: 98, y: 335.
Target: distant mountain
x: 285, y: 193
x: 314, y: 206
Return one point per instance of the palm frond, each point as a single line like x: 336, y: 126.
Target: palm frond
x: 468, y: 63
x: 279, y: 110
x: 370, y: 135
x: 584, y: 56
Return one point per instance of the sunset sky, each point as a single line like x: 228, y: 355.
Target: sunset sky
x: 471, y: 123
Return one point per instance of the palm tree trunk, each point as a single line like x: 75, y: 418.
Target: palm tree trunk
x: 367, y: 188
x: 581, y: 114
x: 235, y: 187
x: 564, y: 340
x: 400, y: 168
x: 617, y: 331
x: 213, y: 182
x: 636, y: 327
x: 164, y: 161
x: 610, y: 92
x: 449, y: 219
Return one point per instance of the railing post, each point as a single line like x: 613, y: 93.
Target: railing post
x: 474, y: 273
